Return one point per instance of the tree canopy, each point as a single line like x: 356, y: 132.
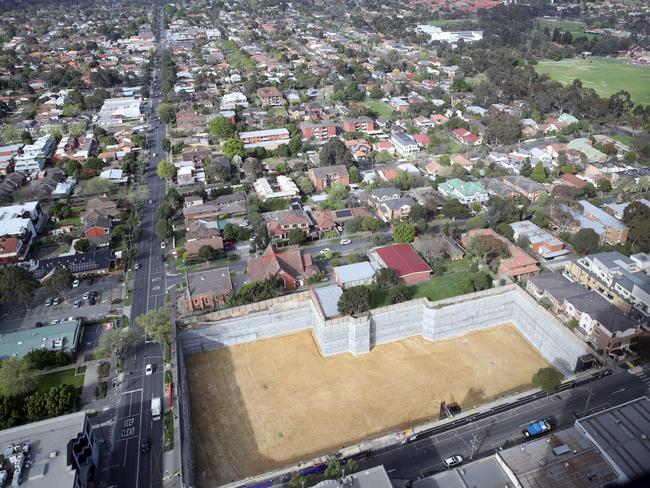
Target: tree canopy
x: 637, y: 217
x: 157, y: 325
x: 404, y: 232
x: 166, y: 169
x: 354, y: 300
x: 16, y: 284
x: 548, y: 379
x: 335, y: 152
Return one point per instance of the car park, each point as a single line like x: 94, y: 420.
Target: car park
x: 75, y: 283
x: 453, y: 461
x: 148, y: 370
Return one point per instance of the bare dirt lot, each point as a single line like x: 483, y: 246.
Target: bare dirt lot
x: 264, y: 404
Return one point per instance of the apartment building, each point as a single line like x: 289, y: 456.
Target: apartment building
x: 34, y: 156
x: 618, y: 279
x: 118, y: 112
x: 611, y: 230
x: 321, y: 131
x: 325, y: 177
x: 268, y: 139
x: 19, y: 226
x: 281, y: 187
x: 360, y: 124
x: 542, y: 242
x: 270, y: 96
x: 230, y: 101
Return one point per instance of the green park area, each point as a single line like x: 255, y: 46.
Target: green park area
x: 576, y: 28
x: 605, y: 75
x: 65, y: 377
x: 380, y: 108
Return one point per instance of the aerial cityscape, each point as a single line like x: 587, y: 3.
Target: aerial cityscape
x: 324, y: 243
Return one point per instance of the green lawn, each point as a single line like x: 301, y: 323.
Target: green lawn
x: 65, y: 377
x: 380, y: 108
x: 604, y: 75
x: 70, y: 221
x: 576, y: 28
x: 441, y: 287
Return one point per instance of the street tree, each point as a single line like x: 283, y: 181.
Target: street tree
x: 585, y: 241
x: 164, y: 229
x: 166, y: 169
x: 404, y: 232
x: 233, y: 147
x: 157, y: 325
x: 59, y: 280
x: 16, y: 284
x: 167, y: 113
x: 16, y: 377
x: 117, y: 341
x: 548, y: 379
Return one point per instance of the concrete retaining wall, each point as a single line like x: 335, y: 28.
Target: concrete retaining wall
x: 432, y: 320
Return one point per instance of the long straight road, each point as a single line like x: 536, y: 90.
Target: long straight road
x: 129, y: 467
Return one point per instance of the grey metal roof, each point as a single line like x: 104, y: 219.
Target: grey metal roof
x: 356, y: 272
x: 621, y: 435
x: 484, y: 473
x: 209, y: 281
x: 328, y: 298
x: 601, y: 310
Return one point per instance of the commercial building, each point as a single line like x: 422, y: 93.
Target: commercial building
x: 119, y: 112
x: 281, y: 187
x: 94, y: 263
x: 207, y: 289
x: 269, y: 138
x: 61, y: 452
x: 465, y: 192
x: 402, y: 259
x: 452, y: 37
x: 34, y: 156
x: 62, y: 337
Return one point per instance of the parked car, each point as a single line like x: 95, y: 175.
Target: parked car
x: 57, y: 300
x: 91, y: 300
x: 244, y: 223
x: 38, y: 324
x: 345, y: 241
x: 148, y: 370
x: 137, y: 266
x: 162, y: 245
x: 75, y: 283
x: 55, y: 321
x: 327, y: 250
x: 452, y: 461
x: 86, y: 295
x: 49, y: 302
x: 90, y: 281
x: 77, y: 304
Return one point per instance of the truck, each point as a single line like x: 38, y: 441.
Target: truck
x: 155, y: 408
x: 537, y: 428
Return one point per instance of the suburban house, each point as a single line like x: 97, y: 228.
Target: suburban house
x: 360, y: 124
x: 518, y: 266
x: 280, y: 187
x: 398, y: 209
x: 270, y: 96
x: 465, y: 192
x: 619, y: 279
x: 380, y: 195
x: 466, y: 137
x: 572, y: 180
x: 399, y: 104
x: 404, y: 144
x: 278, y: 224
x: 321, y: 131
x: 230, y: 101
x: 268, y: 138
x: 525, y: 186
x: 325, y: 177
x: 542, y: 242
x: 97, y: 229
x: 402, y: 259
x: 292, y: 268
x: 356, y: 274
x: 207, y: 289
x: 445, y: 246
x: 193, y: 247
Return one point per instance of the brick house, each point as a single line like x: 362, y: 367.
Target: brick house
x: 292, y: 268
x: 398, y: 209
x: 279, y: 227
x: 402, y: 259
x: 207, y: 289
x: 326, y: 176
x: 192, y: 247
x: 466, y: 137
x: 97, y: 226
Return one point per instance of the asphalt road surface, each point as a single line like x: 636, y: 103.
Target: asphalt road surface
x: 481, y: 438
x: 129, y: 467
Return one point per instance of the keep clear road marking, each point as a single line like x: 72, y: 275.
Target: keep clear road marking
x: 129, y: 427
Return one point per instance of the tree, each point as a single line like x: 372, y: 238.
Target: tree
x: 166, y: 169
x: 59, y: 280
x: 548, y: 379
x: 61, y: 209
x: 222, y: 127
x: 637, y: 217
x: 620, y: 103
x: 333, y: 470
x: 296, y: 236
x: 16, y: 377
x: 487, y: 247
x: 167, y: 113
x: 482, y: 281
x: 505, y: 230
x: 386, y: 278
x: 10, y: 133
x: 58, y: 400
x: 207, y: 253
x: 454, y: 209
x: 157, y: 325
x: 43, y: 358
x: 255, y: 291
x: 476, y: 222
x: 539, y: 173
x: 82, y: 245
x: 398, y: 294
x: 354, y: 300
x: 305, y: 185
x: 16, y: 284
x: 336, y: 196
x: 370, y: 224
x: 585, y: 241
x: 233, y: 147
x: 117, y: 341
x: 354, y: 225
x: 404, y: 232
x: 502, y: 128
x: 502, y: 210
x: 604, y: 185
x: 335, y: 152
x: 526, y: 169
x: 164, y: 229
x: 459, y: 85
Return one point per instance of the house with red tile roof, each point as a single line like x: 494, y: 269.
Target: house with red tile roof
x: 466, y: 137
x: 572, y: 180
x: 402, y: 259
x: 292, y: 268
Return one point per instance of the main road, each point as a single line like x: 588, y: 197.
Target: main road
x: 130, y: 465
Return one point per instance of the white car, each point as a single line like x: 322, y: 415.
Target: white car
x: 162, y: 245
x: 75, y: 283
x: 327, y: 250
x: 244, y: 223
x: 137, y: 266
x: 148, y: 370
x: 55, y: 321
x: 345, y: 241
x: 452, y: 461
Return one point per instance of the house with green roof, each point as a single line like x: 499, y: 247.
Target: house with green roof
x: 583, y: 145
x: 64, y: 336
x: 465, y: 192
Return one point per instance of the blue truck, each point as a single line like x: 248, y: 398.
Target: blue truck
x: 540, y: 427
